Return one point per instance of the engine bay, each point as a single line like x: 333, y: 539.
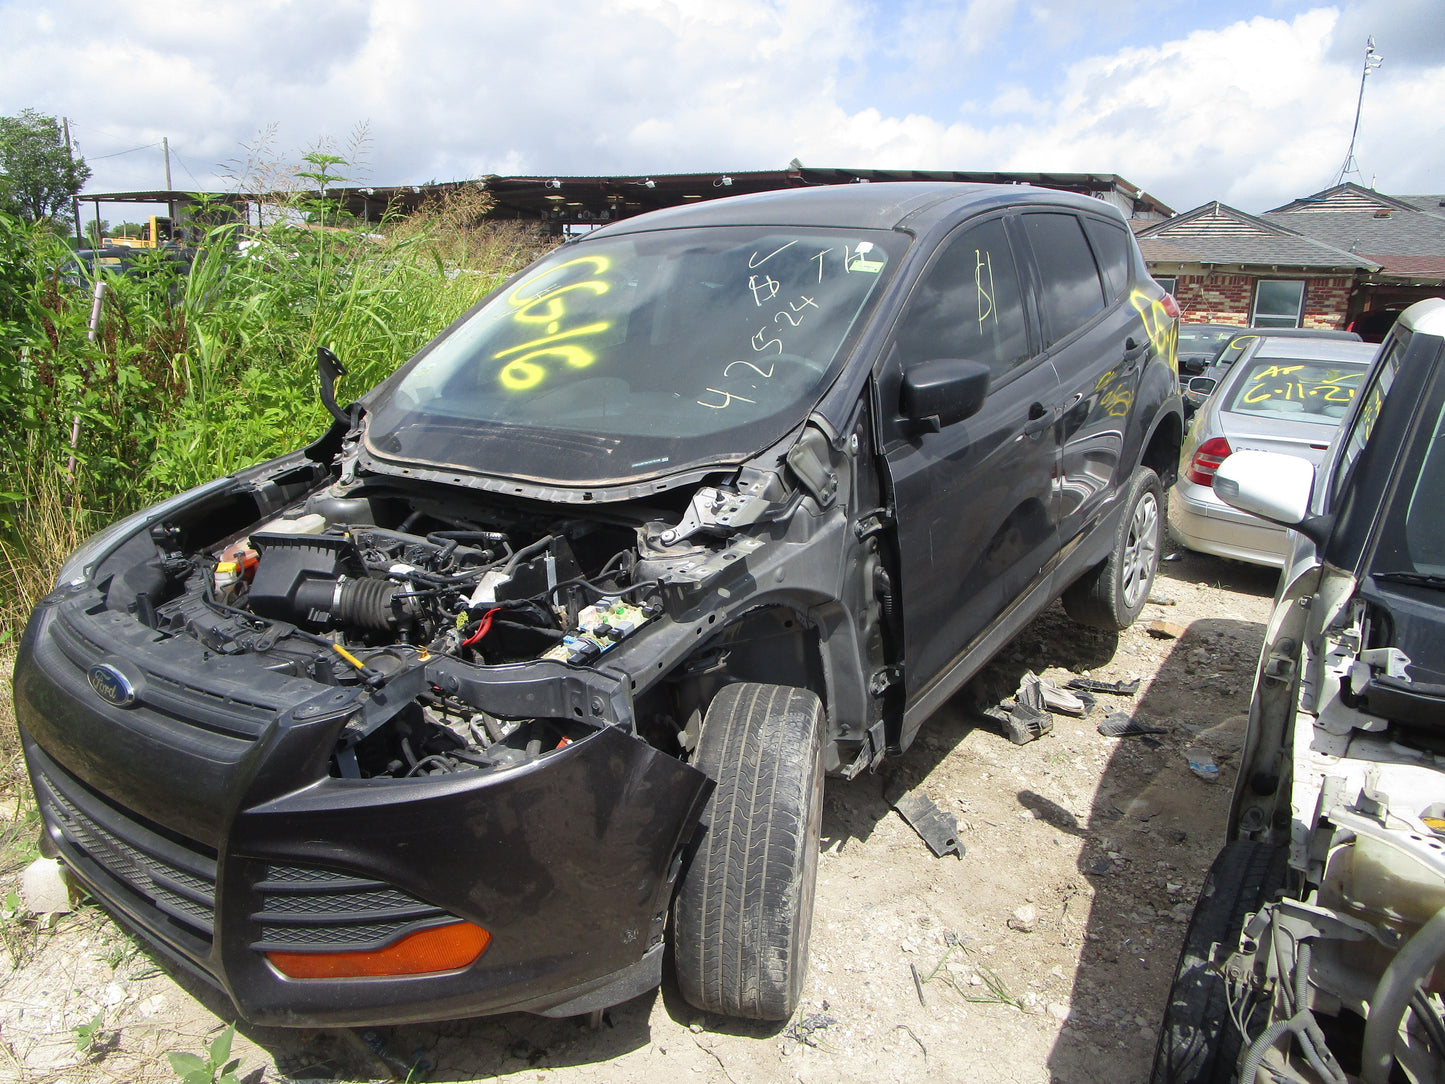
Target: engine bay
x: 366, y: 586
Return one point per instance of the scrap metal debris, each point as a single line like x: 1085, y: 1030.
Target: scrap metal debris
x: 1061, y: 700
x: 1121, y: 724
x: 1028, y: 718
x: 1116, y: 688
x: 1165, y: 630
x: 808, y: 1026
x: 936, y: 828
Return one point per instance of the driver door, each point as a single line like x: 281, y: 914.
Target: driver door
x: 976, y: 500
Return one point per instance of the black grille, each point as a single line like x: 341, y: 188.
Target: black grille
x: 173, y: 879
x: 309, y: 909
x: 84, y: 639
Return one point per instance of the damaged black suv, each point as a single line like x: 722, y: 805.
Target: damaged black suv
x: 539, y: 656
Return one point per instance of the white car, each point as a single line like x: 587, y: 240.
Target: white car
x: 1314, y: 952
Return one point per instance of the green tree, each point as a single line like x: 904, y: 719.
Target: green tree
x: 38, y: 177
x: 96, y: 233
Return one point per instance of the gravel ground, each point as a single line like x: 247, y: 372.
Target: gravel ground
x: 1043, y: 954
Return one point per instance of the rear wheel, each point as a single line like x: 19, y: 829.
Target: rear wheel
x: 745, y: 906
x: 1199, y: 1043
x: 1112, y: 594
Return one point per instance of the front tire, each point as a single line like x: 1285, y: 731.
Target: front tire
x: 1198, y: 1043
x: 1111, y: 595
x: 745, y: 906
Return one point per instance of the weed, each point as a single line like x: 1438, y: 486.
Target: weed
x: 216, y: 1067
x: 18, y: 929
x: 87, y: 1035
x: 994, y: 990
x: 191, y: 373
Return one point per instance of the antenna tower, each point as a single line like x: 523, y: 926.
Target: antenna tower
x: 1372, y: 61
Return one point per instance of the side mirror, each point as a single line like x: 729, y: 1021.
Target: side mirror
x: 943, y: 391
x: 1269, y: 485
x: 1192, y: 366
x: 1203, y: 386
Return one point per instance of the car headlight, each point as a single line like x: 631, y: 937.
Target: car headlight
x: 98, y: 546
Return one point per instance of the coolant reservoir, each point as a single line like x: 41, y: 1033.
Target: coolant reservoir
x: 306, y: 523
x: 1389, y: 882
x: 1386, y: 887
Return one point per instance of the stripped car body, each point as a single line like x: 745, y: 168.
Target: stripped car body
x: 1314, y: 951
x: 427, y: 720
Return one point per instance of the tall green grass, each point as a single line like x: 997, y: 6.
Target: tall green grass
x: 194, y: 373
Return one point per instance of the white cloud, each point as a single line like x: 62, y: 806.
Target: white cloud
x: 1253, y: 113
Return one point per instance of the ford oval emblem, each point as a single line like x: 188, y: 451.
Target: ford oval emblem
x: 111, y: 685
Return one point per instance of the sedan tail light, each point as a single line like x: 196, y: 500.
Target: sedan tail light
x: 1171, y: 306
x: 1207, y: 458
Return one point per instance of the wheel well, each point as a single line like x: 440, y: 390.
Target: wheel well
x: 1162, y: 453
x: 772, y: 645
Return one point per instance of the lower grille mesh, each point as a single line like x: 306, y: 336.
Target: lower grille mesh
x: 174, y: 878
x: 308, y: 909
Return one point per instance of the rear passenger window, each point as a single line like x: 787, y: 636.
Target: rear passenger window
x: 968, y: 304
x: 1111, y: 249
x: 1070, y: 290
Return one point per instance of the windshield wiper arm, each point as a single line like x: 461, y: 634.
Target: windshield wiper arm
x: 1417, y: 579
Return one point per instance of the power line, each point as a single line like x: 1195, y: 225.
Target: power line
x: 185, y: 167
x: 117, y: 154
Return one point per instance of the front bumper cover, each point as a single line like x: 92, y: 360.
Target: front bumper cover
x: 216, y: 850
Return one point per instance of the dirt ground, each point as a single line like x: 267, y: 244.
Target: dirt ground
x: 1043, y: 954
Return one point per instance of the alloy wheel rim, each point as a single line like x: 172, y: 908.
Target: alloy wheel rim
x: 1140, y: 549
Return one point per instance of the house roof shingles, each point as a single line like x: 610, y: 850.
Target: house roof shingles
x: 1403, y: 235
x: 1219, y: 234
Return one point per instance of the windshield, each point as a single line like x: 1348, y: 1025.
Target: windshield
x: 1418, y: 544
x: 618, y: 358
x: 1307, y: 391
x: 1201, y: 340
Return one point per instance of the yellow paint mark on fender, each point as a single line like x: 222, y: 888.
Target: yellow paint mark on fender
x: 1162, y: 329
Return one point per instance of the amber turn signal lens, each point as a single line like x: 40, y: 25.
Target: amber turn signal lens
x: 441, y: 948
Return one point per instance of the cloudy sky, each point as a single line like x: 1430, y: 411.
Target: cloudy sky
x: 1246, y: 102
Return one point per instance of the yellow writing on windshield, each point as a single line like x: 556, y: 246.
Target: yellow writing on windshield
x: 1299, y: 383
x: 549, y: 310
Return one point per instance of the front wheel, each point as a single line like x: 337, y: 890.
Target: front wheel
x: 745, y: 906
x: 1111, y: 595
x: 1199, y: 1043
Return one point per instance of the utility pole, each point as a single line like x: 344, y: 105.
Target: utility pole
x: 1372, y: 61
x: 75, y: 203
x: 170, y: 203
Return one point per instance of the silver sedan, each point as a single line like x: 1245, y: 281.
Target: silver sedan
x: 1281, y: 395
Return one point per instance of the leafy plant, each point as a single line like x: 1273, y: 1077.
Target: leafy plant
x: 192, y: 371
x: 88, y: 1034
x: 216, y: 1067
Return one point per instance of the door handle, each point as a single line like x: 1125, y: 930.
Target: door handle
x: 1040, y: 418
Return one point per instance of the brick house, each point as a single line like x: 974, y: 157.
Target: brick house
x: 1403, y: 236
x: 1344, y: 257
x: 1228, y: 267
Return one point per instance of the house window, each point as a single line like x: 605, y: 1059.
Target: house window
x: 1278, y: 303
x: 1169, y: 282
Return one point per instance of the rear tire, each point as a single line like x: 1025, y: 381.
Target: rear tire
x: 745, y: 906
x: 1198, y: 1043
x: 1111, y: 595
